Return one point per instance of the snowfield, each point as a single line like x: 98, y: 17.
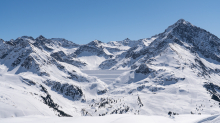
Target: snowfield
x: 176, y: 72
x: 107, y: 76
x: 117, y: 119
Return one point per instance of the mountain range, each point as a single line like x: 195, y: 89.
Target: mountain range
x: 175, y: 71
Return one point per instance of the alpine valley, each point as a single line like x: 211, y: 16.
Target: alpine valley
x: 175, y: 72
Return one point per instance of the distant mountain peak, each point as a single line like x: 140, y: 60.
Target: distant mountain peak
x: 41, y: 37
x: 180, y: 22
x: 126, y: 39
x: 1, y: 40
x: 27, y: 37
x: 95, y: 42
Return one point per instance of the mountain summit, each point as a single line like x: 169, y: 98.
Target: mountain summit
x: 182, y: 21
x: 40, y: 38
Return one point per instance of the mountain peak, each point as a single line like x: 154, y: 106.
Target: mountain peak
x: 126, y: 39
x: 182, y: 21
x: 1, y: 41
x: 27, y: 37
x: 95, y: 42
x: 41, y: 37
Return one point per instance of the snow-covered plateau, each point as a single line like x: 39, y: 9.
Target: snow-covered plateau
x: 170, y: 77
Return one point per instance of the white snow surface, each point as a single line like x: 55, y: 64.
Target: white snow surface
x: 93, y: 62
x: 107, y: 76
x: 117, y: 119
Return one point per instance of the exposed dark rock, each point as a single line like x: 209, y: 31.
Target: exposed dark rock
x: 214, y: 90
x: 85, y: 113
x: 48, y: 101
x: 44, y: 74
x: 95, y: 43
x: 121, y: 110
x: 10, y: 43
x: 91, y: 49
x: 139, y: 102
x: 100, y: 92
x: 107, y: 64
x: 62, y: 57
x: 154, y: 88
x: 28, y: 62
x: 140, y: 88
x: 58, y: 55
x: 103, y: 102
x: 20, y: 58
x: 68, y: 90
x: 40, y: 38
x: 28, y: 82
x: 3, y: 56
x: 143, y: 68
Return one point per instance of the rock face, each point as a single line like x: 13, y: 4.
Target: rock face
x: 90, y: 49
x: 213, y: 90
x: 62, y: 57
x: 143, y: 69
x: 201, y: 40
x: 100, y: 92
x: 68, y: 90
x: 48, y: 101
x: 108, y: 64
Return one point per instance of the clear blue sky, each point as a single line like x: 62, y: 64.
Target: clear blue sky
x: 82, y: 21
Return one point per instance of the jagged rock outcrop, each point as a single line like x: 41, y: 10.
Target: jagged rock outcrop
x: 49, y: 101
x: 87, y: 50
x: 62, y: 57
x: 144, y: 69
x: 68, y: 90
x: 214, y: 90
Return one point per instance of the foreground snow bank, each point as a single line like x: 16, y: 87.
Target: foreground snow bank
x: 116, y: 119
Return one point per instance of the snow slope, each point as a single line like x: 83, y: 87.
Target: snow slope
x: 107, y: 76
x: 118, y: 119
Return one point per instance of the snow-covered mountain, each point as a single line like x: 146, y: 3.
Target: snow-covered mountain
x: 177, y: 71
x: 40, y: 67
